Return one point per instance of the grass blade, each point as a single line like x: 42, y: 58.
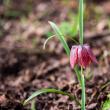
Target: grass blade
x: 65, y: 45
x: 60, y: 36
x: 33, y: 105
x: 42, y: 91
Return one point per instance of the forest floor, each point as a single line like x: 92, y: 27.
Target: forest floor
x: 25, y: 67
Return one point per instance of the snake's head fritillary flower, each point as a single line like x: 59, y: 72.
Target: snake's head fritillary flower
x: 81, y: 55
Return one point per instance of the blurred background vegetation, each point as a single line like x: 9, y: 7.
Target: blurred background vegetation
x: 23, y: 21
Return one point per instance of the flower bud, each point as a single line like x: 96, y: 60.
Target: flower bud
x: 81, y: 55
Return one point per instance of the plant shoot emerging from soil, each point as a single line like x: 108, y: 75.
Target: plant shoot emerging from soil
x: 79, y: 55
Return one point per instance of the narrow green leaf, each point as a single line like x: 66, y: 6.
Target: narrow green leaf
x: 65, y: 45
x: 42, y: 91
x: 33, y: 105
x: 60, y: 36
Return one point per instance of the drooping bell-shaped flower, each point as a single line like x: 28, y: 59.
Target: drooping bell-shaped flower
x: 81, y: 55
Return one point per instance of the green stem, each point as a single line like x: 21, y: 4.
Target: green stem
x: 33, y: 105
x: 78, y: 74
x: 83, y: 91
x: 81, y: 29
x: 81, y: 7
